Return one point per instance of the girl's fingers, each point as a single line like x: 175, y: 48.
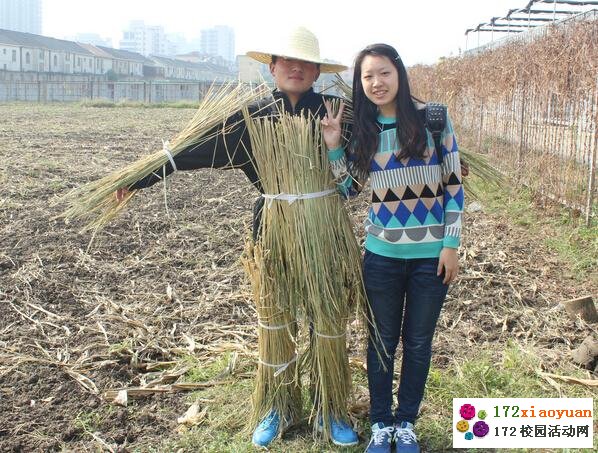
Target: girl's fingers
x: 450, y: 275
x: 328, y: 106
x: 341, y: 108
x: 331, y: 117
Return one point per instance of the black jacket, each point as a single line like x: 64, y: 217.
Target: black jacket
x: 233, y: 149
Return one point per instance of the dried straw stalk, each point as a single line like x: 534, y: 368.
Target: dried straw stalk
x: 275, y: 388
x: 95, y: 202
x: 563, y: 62
x: 312, y: 260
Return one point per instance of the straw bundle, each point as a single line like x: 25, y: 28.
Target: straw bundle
x: 277, y: 385
x: 95, y: 202
x: 313, y: 257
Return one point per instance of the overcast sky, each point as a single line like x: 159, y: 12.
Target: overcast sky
x: 421, y: 30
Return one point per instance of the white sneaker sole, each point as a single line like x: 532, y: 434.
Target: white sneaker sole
x: 344, y: 444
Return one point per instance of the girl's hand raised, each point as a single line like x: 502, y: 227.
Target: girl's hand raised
x: 331, y: 126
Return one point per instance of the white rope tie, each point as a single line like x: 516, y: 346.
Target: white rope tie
x: 276, y: 327
x: 330, y: 336
x: 168, y: 151
x: 281, y: 367
x: 292, y: 198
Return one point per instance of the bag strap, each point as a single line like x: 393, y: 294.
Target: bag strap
x: 434, y: 117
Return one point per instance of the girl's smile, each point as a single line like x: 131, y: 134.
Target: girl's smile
x: 380, y: 81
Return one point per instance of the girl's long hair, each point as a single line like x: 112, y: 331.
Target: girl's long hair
x: 411, y: 133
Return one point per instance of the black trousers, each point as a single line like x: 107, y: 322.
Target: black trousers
x: 258, y: 206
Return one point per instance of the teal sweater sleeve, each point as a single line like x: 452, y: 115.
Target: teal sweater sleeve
x: 338, y: 164
x: 453, y: 187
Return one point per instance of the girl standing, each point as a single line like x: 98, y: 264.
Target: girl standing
x: 412, y: 232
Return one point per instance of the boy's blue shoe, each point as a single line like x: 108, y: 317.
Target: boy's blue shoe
x: 405, y: 439
x: 341, y: 433
x: 267, y: 430
x: 381, y: 439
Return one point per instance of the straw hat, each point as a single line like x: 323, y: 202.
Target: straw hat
x: 301, y: 44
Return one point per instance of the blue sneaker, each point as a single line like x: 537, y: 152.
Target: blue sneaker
x: 267, y: 430
x: 381, y: 439
x: 342, y: 434
x: 405, y: 439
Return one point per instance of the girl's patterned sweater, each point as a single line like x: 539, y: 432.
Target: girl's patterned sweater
x: 417, y: 204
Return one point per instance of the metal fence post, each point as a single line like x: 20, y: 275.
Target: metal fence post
x: 592, y: 173
x: 521, y: 129
x: 481, y: 126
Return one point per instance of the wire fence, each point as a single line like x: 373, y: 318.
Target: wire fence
x: 541, y: 140
x: 532, y: 106
x: 65, y: 91
x: 532, y: 33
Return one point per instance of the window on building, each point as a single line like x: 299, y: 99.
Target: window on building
x: 14, y: 56
x: 4, y: 51
x: 55, y: 61
x: 67, y: 57
x: 78, y: 61
x: 90, y: 63
x: 27, y: 58
x: 41, y: 55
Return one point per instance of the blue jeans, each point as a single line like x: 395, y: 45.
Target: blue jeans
x: 405, y: 296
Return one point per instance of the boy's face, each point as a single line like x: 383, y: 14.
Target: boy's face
x: 294, y: 77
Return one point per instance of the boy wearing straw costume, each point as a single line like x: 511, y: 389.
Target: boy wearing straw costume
x: 295, y: 66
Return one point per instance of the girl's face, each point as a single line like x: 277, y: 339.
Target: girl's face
x: 380, y: 80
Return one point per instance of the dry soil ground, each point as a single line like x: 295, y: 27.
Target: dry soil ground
x: 78, y: 318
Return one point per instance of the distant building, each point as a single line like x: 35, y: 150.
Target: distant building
x: 171, y: 68
x: 21, y: 15
x: 176, y: 43
x: 145, y: 39
x: 219, y: 41
x: 26, y: 52
x: 198, y: 57
x: 251, y: 70
x: 92, y: 38
x: 119, y: 62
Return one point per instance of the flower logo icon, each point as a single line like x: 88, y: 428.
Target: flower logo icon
x: 467, y: 411
x: 480, y: 428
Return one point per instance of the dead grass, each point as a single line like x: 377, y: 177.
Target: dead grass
x: 160, y: 303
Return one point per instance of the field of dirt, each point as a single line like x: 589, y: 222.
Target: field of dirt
x: 80, y: 317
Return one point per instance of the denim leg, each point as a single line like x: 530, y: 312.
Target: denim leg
x: 425, y: 296
x: 385, y: 286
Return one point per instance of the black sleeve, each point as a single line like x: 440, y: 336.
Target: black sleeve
x: 230, y: 148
